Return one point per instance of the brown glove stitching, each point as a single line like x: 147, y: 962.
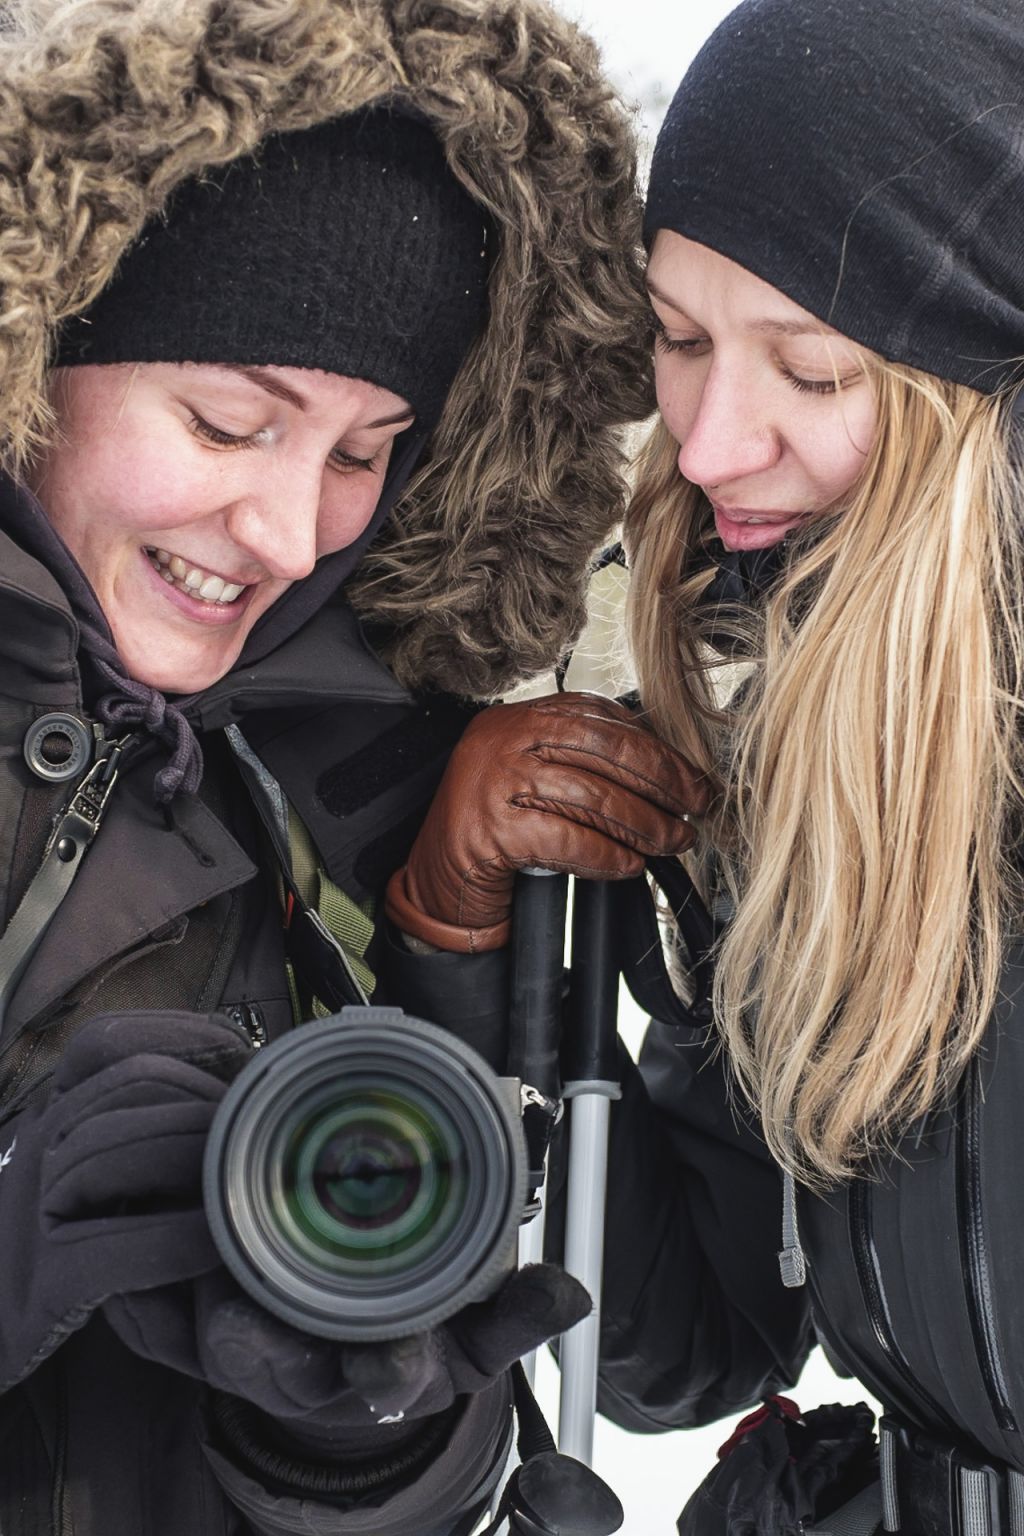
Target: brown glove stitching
x: 602, y: 757
x: 606, y: 820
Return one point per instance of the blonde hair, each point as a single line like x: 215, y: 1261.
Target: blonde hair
x: 868, y: 770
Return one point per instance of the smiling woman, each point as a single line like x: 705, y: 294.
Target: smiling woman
x: 312, y: 276
x: 194, y: 495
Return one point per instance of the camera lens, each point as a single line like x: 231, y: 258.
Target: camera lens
x: 371, y: 1180
x: 365, y: 1176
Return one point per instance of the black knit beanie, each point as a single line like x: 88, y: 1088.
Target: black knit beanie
x: 866, y: 157
x: 348, y: 247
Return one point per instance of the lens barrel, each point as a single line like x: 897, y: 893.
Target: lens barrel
x: 365, y: 1176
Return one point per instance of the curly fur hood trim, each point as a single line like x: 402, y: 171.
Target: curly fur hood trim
x: 107, y: 105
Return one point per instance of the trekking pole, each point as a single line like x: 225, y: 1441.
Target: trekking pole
x: 549, y: 1492
x: 535, y: 1026
x: 590, y: 1068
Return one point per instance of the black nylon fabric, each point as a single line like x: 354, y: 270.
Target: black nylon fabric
x: 786, y: 1474
x: 912, y: 1271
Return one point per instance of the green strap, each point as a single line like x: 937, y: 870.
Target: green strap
x: 349, y: 922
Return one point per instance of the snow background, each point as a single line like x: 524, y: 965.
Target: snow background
x: 647, y: 46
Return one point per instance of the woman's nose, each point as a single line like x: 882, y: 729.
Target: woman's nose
x: 277, y: 524
x: 725, y: 435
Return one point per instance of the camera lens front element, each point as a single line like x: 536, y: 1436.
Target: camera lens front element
x: 373, y: 1179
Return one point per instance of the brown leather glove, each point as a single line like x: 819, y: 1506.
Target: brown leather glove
x: 570, y: 782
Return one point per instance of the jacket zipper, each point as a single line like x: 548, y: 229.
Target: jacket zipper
x: 249, y: 1019
x: 61, y: 1519
x: 974, y: 1251
x: 869, y: 1276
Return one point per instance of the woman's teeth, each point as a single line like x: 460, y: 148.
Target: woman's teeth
x: 192, y: 579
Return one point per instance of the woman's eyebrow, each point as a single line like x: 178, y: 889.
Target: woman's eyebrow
x: 269, y: 382
x: 765, y: 327
x: 657, y: 293
x: 392, y: 421
x: 789, y: 328
x: 275, y: 386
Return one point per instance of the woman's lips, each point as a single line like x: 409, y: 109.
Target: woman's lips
x: 749, y: 528
x: 197, y: 608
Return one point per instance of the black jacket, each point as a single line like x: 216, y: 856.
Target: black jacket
x: 912, y: 1287
x: 183, y: 913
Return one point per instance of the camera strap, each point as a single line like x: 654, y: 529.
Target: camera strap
x: 73, y: 835
x: 327, y: 975
x: 548, y: 1488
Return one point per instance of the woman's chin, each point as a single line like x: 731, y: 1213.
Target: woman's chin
x: 171, y: 670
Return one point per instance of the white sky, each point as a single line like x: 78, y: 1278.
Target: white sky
x: 647, y: 44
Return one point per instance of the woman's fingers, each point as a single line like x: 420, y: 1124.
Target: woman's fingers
x: 569, y: 783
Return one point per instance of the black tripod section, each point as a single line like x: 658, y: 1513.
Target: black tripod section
x: 589, y: 1053
x: 535, y: 1009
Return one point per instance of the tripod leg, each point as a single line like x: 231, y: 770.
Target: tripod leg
x: 584, y: 1251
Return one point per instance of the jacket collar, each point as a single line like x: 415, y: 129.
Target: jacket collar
x: 328, y: 661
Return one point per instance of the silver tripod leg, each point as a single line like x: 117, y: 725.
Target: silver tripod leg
x: 584, y: 1254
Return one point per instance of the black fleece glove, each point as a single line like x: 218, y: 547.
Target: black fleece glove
x: 101, y: 1180
x: 209, y: 1329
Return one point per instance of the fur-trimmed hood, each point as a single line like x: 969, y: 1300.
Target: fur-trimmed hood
x: 107, y: 105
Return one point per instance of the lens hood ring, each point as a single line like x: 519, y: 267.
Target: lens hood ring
x: 288, y: 1245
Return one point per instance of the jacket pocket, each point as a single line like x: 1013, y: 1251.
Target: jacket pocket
x: 974, y: 1255
x: 34, y: 1496
x: 876, y: 1305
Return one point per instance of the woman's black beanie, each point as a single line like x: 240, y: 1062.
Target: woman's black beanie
x: 866, y: 157
x: 348, y: 247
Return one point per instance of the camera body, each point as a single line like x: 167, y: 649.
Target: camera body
x: 365, y: 1176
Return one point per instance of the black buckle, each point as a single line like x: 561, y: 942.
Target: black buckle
x: 932, y: 1487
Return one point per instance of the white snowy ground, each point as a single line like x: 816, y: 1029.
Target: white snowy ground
x: 647, y: 45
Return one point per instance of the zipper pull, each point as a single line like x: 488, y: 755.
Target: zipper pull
x: 792, y: 1260
x: 249, y: 1019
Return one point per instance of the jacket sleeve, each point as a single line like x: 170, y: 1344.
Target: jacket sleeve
x: 438, y: 1484
x: 696, y: 1323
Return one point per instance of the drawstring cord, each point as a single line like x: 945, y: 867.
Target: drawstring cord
x: 792, y: 1259
x: 135, y: 704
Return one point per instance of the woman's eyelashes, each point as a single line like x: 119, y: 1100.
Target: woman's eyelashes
x: 338, y: 458
x: 211, y: 434
x: 813, y: 386
x: 699, y: 346
x: 692, y: 346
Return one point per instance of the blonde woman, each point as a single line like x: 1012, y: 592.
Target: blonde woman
x: 828, y: 509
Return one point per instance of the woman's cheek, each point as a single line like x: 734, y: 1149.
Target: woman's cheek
x: 854, y: 438
x: 678, y: 402
x: 347, y: 517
